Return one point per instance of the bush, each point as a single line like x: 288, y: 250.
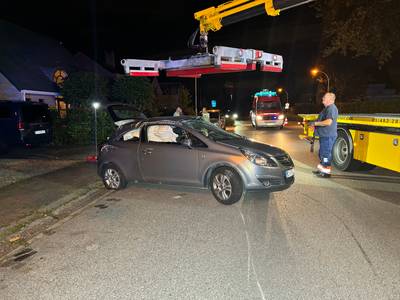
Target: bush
x: 78, y: 127
x: 82, y: 87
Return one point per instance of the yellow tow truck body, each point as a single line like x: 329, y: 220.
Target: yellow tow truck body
x: 371, y: 139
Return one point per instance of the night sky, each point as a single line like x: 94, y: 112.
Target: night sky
x: 159, y: 29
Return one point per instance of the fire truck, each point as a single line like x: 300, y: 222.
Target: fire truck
x: 364, y: 141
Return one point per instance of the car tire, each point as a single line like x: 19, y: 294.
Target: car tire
x: 113, y: 178
x: 226, y: 185
x: 342, y: 153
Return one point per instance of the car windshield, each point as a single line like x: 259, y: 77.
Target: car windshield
x: 211, y: 131
x: 268, y: 105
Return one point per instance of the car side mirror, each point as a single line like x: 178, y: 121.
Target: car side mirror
x: 187, y: 142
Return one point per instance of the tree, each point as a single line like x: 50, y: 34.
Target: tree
x: 82, y: 88
x: 360, y: 28
x: 185, y: 100
x: 136, y: 91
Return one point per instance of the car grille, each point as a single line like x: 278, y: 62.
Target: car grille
x: 285, y: 160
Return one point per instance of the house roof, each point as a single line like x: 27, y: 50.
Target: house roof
x: 87, y: 64
x: 28, y: 60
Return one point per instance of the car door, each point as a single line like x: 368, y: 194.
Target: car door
x: 163, y: 158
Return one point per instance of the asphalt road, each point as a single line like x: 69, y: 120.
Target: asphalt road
x: 333, y: 238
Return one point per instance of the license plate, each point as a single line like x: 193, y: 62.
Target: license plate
x: 289, y: 173
x: 40, y: 131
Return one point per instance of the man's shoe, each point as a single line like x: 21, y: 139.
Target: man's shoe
x: 316, y: 172
x: 323, y: 175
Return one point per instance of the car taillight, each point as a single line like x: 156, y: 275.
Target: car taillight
x: 21, y: 125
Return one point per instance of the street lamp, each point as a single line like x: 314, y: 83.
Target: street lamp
x: 96, y: 106
x: 314, y: 73
x: 280, y: 90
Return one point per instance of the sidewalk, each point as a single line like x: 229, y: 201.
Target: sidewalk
x: 23, y: 163
x: 48, y: 185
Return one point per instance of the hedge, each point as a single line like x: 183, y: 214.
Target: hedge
x: 77, y: 128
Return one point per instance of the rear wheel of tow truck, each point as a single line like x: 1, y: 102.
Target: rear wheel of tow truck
x: 342, y: 153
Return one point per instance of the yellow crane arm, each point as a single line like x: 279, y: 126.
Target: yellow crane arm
x: 213, y: 18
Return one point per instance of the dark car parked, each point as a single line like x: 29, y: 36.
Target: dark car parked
x: 24, y: 123
x: 192, y: 151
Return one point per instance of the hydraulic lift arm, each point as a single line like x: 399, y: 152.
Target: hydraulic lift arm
x: 221, y: 59
x: 214, y: 18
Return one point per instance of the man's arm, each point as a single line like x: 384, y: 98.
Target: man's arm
x: 323, y: 123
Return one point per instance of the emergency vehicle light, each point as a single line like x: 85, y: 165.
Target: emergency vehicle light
x: 266, y: 94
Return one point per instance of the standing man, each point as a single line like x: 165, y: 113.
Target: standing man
x: 326, y: 130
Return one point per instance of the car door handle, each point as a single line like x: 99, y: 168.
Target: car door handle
x: 147, y: 151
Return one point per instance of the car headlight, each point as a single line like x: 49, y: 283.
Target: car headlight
x: 226, y: 116
x: 235, y: 116
x: 258, y: 159
x: 259, y: 117
x: 281, y: 117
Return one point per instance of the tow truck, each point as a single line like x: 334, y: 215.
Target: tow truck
x: 222, y: 59
x: 364, y: 141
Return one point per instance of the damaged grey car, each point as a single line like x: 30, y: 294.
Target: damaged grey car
x: 193, y: 152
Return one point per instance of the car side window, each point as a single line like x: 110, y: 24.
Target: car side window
x: 196, y: 143
x: 131, y: 135
x: 161, y: 133
x: 5, y: 112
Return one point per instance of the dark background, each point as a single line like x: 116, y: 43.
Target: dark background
x: 160, y: 29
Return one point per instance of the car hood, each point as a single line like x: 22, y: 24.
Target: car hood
x: 242, y: 143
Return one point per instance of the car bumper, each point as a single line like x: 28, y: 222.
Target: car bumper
x: 270, y: 123
x: 272, y: 179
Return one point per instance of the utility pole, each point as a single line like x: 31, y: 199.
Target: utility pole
x: 195, y: 95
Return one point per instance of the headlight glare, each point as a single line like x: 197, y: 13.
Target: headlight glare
x: 235, y: 116
x: 259, y: 117
x: 281, y: 117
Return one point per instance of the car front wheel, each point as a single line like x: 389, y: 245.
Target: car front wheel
x: 113, y: 178
x: 226, y: 185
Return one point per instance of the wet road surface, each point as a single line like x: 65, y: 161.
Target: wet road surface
x: 320, y: 239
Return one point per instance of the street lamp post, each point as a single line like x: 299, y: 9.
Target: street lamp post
x: 314, y: 72
x: 195, y: 96
x: 95, y: 105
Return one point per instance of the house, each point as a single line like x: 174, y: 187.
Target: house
x: 33, y: 66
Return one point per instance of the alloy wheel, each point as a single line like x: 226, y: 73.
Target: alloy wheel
x: 222, y: 186
x: 112, y: 178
